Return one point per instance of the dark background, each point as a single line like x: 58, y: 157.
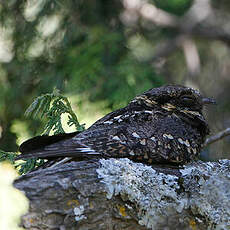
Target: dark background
x: 102, y: 53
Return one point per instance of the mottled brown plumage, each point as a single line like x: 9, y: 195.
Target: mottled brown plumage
x: 162, y: 125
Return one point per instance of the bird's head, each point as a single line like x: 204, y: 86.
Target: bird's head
x: 181, y: 101
x: 173, y: 97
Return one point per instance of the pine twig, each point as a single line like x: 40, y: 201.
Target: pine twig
x: 217, y: 137
x: 9, y: 156
x: 52, y: 106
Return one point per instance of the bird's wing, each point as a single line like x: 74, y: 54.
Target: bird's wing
x: 60, y: 145
x: 96, y: 142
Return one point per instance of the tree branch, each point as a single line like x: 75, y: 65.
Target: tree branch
x: 217, y: 137
x: 200, y: 20
x: 120, y: 194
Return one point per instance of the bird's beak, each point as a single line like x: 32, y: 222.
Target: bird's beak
x: 207, y: 100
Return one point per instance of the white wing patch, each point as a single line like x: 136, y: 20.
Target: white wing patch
x: 148, y: 111
x: 66, y: 159
x: 134, y: 134
x: 108, y: 122
x: 117, y: 117
x: 116, y: 138
x: 87, y: 150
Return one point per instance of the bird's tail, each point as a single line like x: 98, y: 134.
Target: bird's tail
x: 48, y: 146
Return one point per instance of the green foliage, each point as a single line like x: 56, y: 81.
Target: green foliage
x: 28, y: 165
x: 106, y: 70
x: 7, y: 156
x: 87, y: 56
x: 22, y: 167
x: 50, y: 106
x: 178, y: 7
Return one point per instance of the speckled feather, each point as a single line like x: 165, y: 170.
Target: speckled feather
x: 162, y: 125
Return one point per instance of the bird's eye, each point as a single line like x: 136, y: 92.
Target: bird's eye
x: 187, y: 99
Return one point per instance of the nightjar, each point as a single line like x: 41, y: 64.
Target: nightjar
x: 162, y: 125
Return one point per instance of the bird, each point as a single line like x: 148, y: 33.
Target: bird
x: 163, y: 125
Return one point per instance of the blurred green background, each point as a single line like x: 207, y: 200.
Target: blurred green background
x: 100, y: 54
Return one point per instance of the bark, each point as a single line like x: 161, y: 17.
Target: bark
x: 120, y: 194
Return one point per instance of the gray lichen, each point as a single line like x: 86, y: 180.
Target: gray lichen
x: 203, y: 189
x: 209, y: 186
x: 78, y: 212
x: 71, y: 196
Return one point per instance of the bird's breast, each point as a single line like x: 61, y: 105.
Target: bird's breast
x: 165, y: 138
